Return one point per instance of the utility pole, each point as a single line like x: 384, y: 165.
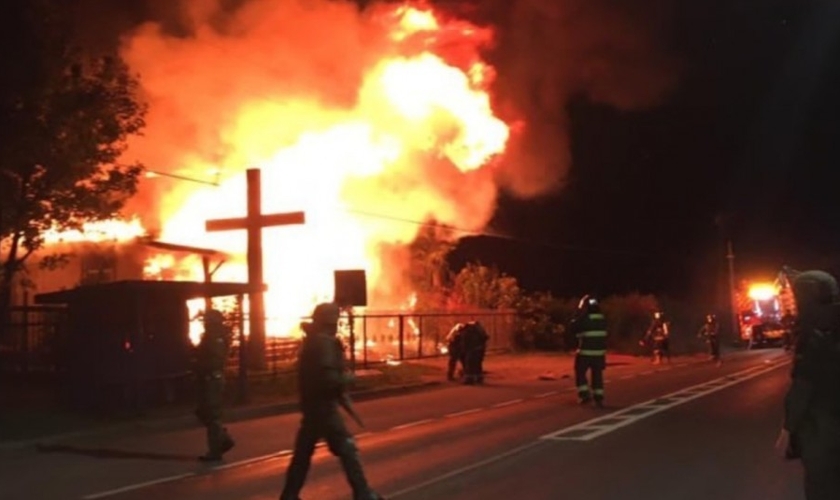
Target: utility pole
x: 730, y: 256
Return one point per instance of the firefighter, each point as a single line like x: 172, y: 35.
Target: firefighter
x: 455, y: 349
x: 475, y: 345
x: 322, y: 382
x: 657, y: 337
x: 710, y: 333
x: 811, y: 430
x: 590, y: 328
x: 211, y: 357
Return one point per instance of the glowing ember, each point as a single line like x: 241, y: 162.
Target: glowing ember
x: 383, y: 113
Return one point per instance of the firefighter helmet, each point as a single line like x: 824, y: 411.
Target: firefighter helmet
x: 588, y: 303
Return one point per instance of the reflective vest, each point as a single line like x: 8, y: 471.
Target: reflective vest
x: 591, y: 331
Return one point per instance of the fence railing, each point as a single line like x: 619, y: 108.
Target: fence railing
x: 33, y: 334
x: 31, y: 338
x: 383, y: 337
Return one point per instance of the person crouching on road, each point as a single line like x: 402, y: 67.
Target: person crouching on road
x: 590, y: 328
x: 211, y: 357
x: 455, y: 349
x: 475, y: 346
x: 322, y: 382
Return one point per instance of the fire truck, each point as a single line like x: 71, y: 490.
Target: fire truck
x: 764, y: 310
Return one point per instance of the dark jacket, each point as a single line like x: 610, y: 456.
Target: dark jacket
x: 816, y: 368
x: 322, y: 375
x: 212, y: 350
x: 591, y: 332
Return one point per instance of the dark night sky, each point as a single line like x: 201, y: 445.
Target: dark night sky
x: 750, y: 131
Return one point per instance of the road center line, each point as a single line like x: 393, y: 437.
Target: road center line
x: 138, y: 486
x: 249, y: 461
x: 507, y: 403
x: 465, y: 412
x: 412, y: 424
x: 462, y: 470
x: 593, y: 428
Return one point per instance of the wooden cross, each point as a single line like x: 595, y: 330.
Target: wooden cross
x: 253, y: 223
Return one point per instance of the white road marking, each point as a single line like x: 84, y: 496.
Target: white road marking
x: 462, y: 470
x: 248, y: 461
x: 591, y: 429
x: 465, y: 412
x: 546, y: 394
x: 137, y: 486
x: 412, y: 424
x: 507, y: 403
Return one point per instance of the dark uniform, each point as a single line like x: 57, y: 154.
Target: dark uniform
x: 657, y: 336
x: 475, y: 346
x: 590, y: 328
x: 455, y: 349
x: 322, y: 380
x: 211, y: 357
x: 788, y: 324
x: 812, y: 404
x: 710, y: 333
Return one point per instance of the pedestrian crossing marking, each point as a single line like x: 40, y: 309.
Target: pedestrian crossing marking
x: 596, y: 427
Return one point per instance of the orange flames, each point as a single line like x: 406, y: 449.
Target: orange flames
x: 363, y: 120
x: 108, y: 230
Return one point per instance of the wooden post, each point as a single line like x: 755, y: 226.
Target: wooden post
x: 352, y: 321
x: 243, y: 351
x: 253, y: 223
x: 402, y: 337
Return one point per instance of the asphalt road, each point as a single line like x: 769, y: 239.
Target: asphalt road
x: 711, y: 437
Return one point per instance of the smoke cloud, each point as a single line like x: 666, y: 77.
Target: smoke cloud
x: 549, y: 52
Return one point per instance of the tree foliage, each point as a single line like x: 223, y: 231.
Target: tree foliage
x: 429, y: 271
x: 65, y: 116
x: 485, y: 287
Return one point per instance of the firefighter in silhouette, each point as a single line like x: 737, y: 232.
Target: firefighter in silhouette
x: 811, y: 430
x: 710, y: 333
x: 657, y: 336
x: 455, y: 349
x: 322, y: 383
x: 211, y: 357
x: 475, y: 345
x: 590, y: 328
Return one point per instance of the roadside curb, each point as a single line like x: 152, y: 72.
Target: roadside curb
x: 231, y: 415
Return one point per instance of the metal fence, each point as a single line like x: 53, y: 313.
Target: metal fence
x: 33, y: 334
x: 383, y: 337
x: 31, y: 338
x: 400, y: 336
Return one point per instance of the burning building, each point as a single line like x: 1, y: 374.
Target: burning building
x: 371, y: 122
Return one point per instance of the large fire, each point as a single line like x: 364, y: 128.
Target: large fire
x: 362, y: 120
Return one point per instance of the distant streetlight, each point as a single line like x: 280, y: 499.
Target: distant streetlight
x: 151, y: 174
